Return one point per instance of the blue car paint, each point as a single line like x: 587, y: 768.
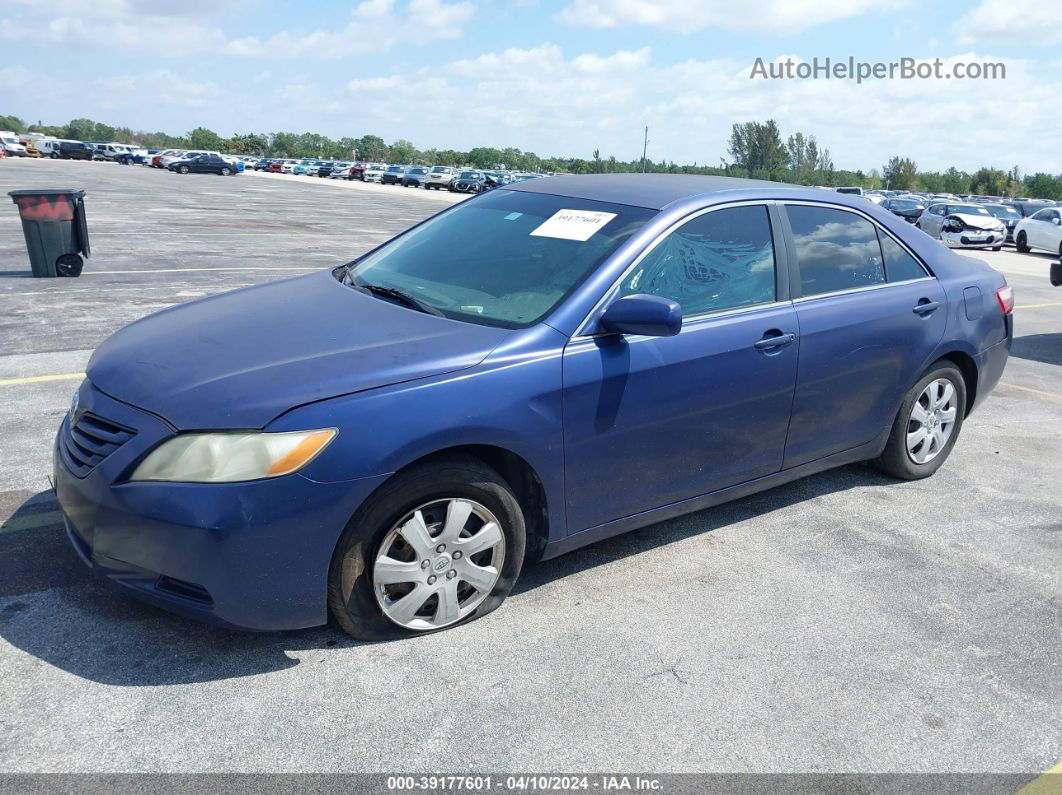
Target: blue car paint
x: 607, y: 425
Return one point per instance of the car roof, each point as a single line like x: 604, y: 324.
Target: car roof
x: 656, y: 191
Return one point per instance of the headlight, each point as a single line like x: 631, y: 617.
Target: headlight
x: 231, y: 457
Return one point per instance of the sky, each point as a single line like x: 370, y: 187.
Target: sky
x: 556, y: 78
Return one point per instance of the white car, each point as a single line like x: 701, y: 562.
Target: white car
x: 288, y: 166
x: 1041, y: 230
x: 972, y: 230
x: 374, y: 173
x: 10, y: 143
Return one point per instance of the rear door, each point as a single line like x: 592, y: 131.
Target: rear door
x: 869, y: 315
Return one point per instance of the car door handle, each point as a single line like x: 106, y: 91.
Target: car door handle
x: 777, y: 340
x: 925, y: 306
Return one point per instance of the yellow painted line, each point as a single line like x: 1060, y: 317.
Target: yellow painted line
x: 1047, y: 783
x: 1036, y: 306
x: 34, y: 521
x: 1040, y: 392
x: 37, y: 379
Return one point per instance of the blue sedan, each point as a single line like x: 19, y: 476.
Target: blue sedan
x: 541, y: 367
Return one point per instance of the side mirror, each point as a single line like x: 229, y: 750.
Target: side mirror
x: 648, y: 315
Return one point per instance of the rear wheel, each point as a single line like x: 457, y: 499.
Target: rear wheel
x: 1021, y: 243
x: 439, y: 545
x: 927, y: 425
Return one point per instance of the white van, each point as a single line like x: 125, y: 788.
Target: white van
x: 9, y: 141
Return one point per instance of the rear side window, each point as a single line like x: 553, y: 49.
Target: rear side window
x: 899, y: 265
x: 835, y: 250
x: 720, y: 260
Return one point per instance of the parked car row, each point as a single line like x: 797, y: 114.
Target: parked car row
x: 972, y: 221
x: 463, y: 180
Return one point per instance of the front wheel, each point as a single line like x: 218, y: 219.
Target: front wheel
x: 439, y: 545
x: 225, y: 172
x: 927, y: 425
x: 183, y: 169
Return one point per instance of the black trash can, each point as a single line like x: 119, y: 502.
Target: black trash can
x: 53, y: 222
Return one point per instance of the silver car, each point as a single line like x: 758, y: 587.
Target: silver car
x: 439, y: 177
x: 963, y: 226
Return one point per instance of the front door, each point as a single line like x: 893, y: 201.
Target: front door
x: 649, y: 421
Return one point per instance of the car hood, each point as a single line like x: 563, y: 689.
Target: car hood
x: 977, y: 221
x: 240, y: 359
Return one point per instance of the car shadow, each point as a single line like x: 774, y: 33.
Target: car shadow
x: 1045, y: 348
x: 54, y: 609
x: 16, y: 274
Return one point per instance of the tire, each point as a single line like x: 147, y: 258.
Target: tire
x: 1021, y: 244
x: 225, y: 172
x: 997, y: 248
x: 356, y: 602
x: 69, y: 265
x: 900, y: 462
x: 54, y: 155
x: 183, y: 169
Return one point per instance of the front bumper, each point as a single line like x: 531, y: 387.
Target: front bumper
x: 971, y: 239
x: 249, y: 555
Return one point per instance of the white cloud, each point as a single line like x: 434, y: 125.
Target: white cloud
x: 547, y: 101
x: 690, y: 16
x: 1014, y: 21
x: 177, y: 29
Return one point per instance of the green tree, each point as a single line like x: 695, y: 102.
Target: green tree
x: 1043, y: 186
x: 403, y: 151
x: 956, y: 181
x: 900, y: 173
x: 758, y: 148
x: 80, y: 129
x: 12, y: 124
x: 372, y: 147
x: 989, y: 182
x: 202, y: 138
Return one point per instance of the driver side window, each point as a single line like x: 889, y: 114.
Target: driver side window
x: 719, y: 260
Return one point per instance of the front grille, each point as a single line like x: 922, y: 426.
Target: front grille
x: 89, y: 440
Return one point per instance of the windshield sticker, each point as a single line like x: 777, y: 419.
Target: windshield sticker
x: 573, y: 224
x: 512, y: 216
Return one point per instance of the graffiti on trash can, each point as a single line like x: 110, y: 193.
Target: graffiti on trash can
x: 45, y: 208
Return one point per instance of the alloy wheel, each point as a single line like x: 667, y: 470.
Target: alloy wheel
x: 932, y: 421
x: 438, y: 563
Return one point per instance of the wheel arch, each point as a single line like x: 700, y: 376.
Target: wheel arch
x: 515, y: 470
x: 967, y: 366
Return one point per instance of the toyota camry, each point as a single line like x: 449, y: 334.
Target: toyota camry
x: 543, y: 366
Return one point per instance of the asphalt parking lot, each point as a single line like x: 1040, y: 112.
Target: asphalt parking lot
x: 846, y: 622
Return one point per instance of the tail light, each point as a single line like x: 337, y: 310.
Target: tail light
x: 1005, y: 296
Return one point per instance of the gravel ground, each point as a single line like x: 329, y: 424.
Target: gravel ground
x: 846, y: 622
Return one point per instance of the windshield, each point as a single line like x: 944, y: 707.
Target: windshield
x: 967, y: 209
x: 494, y: 260
x: 904, y: 204
x: 440, y: 170
x: 1002, y: 211
x: 468, y: 175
